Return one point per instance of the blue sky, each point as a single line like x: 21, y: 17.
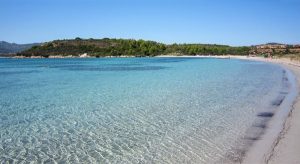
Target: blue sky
x: 232, y: 22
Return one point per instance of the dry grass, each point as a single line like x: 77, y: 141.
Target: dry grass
x: 295, y: 57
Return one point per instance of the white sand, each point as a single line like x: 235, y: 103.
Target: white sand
x: 288, y: 148
x: 285, y: 146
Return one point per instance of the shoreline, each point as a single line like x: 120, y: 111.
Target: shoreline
x: 279, y: 143
x: 87, y: 56
x: 287, y: 148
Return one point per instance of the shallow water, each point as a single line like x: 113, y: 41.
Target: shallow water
x: 132, y: 110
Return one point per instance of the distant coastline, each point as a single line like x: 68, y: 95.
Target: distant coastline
x: 159, y: 56
x: 123, y: 48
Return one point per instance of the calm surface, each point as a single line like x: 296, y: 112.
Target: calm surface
x: 132, y: 110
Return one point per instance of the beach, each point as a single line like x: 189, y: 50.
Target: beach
x: 276, y: 143
x: 286, y: 146
x: 163, y: 82
x: 157, y: 110
x: 279, y: 142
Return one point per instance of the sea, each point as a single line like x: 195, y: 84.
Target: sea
x: 132, y: 110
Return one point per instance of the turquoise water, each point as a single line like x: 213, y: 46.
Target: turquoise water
x: 131, y: 110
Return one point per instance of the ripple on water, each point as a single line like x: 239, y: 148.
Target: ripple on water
x: 184, y: 111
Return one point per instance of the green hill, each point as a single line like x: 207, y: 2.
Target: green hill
x: 127, y: 47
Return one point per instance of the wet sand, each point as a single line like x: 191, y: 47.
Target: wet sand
x: 280, y: 143
x: 288, y: 148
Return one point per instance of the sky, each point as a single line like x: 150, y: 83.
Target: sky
x: 230, y: 22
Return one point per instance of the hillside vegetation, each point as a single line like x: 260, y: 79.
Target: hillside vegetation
x: 127, y: 47
x: 141, y: 48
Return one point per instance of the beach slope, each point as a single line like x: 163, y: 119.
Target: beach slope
x: 286, y: 147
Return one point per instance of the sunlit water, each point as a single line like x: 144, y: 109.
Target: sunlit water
x: 135, y: 110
